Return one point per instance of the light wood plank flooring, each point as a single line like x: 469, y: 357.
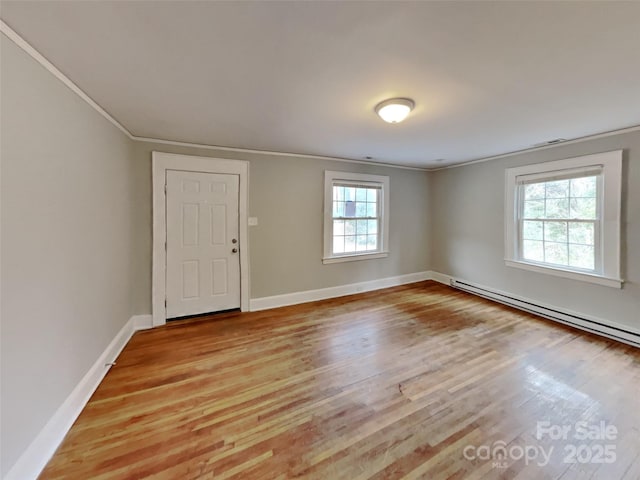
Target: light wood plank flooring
x: 404, y: 383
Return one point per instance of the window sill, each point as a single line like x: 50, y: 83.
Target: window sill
x: 355, y: 257
x: 558, y: 272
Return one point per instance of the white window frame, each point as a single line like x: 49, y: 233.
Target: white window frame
x: 379, y: 181
x: 607, y: 228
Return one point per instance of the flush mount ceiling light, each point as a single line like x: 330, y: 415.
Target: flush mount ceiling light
x: 394, y: 110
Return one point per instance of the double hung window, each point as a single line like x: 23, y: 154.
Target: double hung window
x: 563, y: 217
x: 356, y: 216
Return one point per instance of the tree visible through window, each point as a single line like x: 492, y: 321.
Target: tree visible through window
x: 558, y: 222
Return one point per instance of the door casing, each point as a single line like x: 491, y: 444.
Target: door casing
x: 161, y: 162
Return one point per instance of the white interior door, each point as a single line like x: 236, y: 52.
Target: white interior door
x: 203, y: 263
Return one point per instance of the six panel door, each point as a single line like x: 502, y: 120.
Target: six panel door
x: 203, y: 261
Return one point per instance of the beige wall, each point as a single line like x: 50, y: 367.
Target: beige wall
x: 67, y: 226
x: 286, y: 194
x: 468, y: 232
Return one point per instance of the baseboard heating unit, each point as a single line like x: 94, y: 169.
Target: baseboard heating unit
x: 611, y: 330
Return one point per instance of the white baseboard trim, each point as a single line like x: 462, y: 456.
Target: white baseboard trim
x: 583, y: 321
x: 295, y: 298
x: 35, y: 457
x: 141, y: 322
x: 440, y: 278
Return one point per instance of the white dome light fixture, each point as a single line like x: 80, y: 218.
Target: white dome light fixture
x: 395, y: 110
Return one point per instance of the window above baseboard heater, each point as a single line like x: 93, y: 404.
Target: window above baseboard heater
x: 617, y: 332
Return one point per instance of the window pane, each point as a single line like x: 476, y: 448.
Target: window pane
x: 349, y: 244
x: 338, y: 227
x: 371, y: 210
x: 361, y: 243
x: 582, y: 256
x: 583, y: 208
x: 372, y: 226
x: 557, y: 189
x: 372, y: 242
x: 338, y: 209
x: 555, y: 231
x: 361, y: 194
x: 532, y: 230
x: 350, y: 209
x: 361, y: 209
x: 556, y: 253
x: 361, y: 227
x: 372, y: 195
x: 557, y: 208
x: 349, y: 227
x: 350, y: 194
x: 533, y: 250
x: 533, y: 209
x: 584, y: 187
x: 534, y: 191
x: 582, y: 233
x: 338, y: 193
x: 338, y: 244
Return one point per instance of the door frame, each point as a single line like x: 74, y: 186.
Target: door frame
x: 161, y: 162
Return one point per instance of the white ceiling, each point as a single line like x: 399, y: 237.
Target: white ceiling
x: 304, y: 77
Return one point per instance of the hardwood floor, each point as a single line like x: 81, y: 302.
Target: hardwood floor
x: 405, y: 383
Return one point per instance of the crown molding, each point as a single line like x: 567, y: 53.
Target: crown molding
x: 594, y: 136
x: 51, y: 68
x: 38, y: 57
x: 275, y: 153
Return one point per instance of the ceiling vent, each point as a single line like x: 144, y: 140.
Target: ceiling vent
x: 550, y: 142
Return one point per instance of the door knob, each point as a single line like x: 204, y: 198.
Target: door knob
x: 234, y: 240
x: 235, y: 250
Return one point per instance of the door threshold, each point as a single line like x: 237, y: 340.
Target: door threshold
x: 201, y: 316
